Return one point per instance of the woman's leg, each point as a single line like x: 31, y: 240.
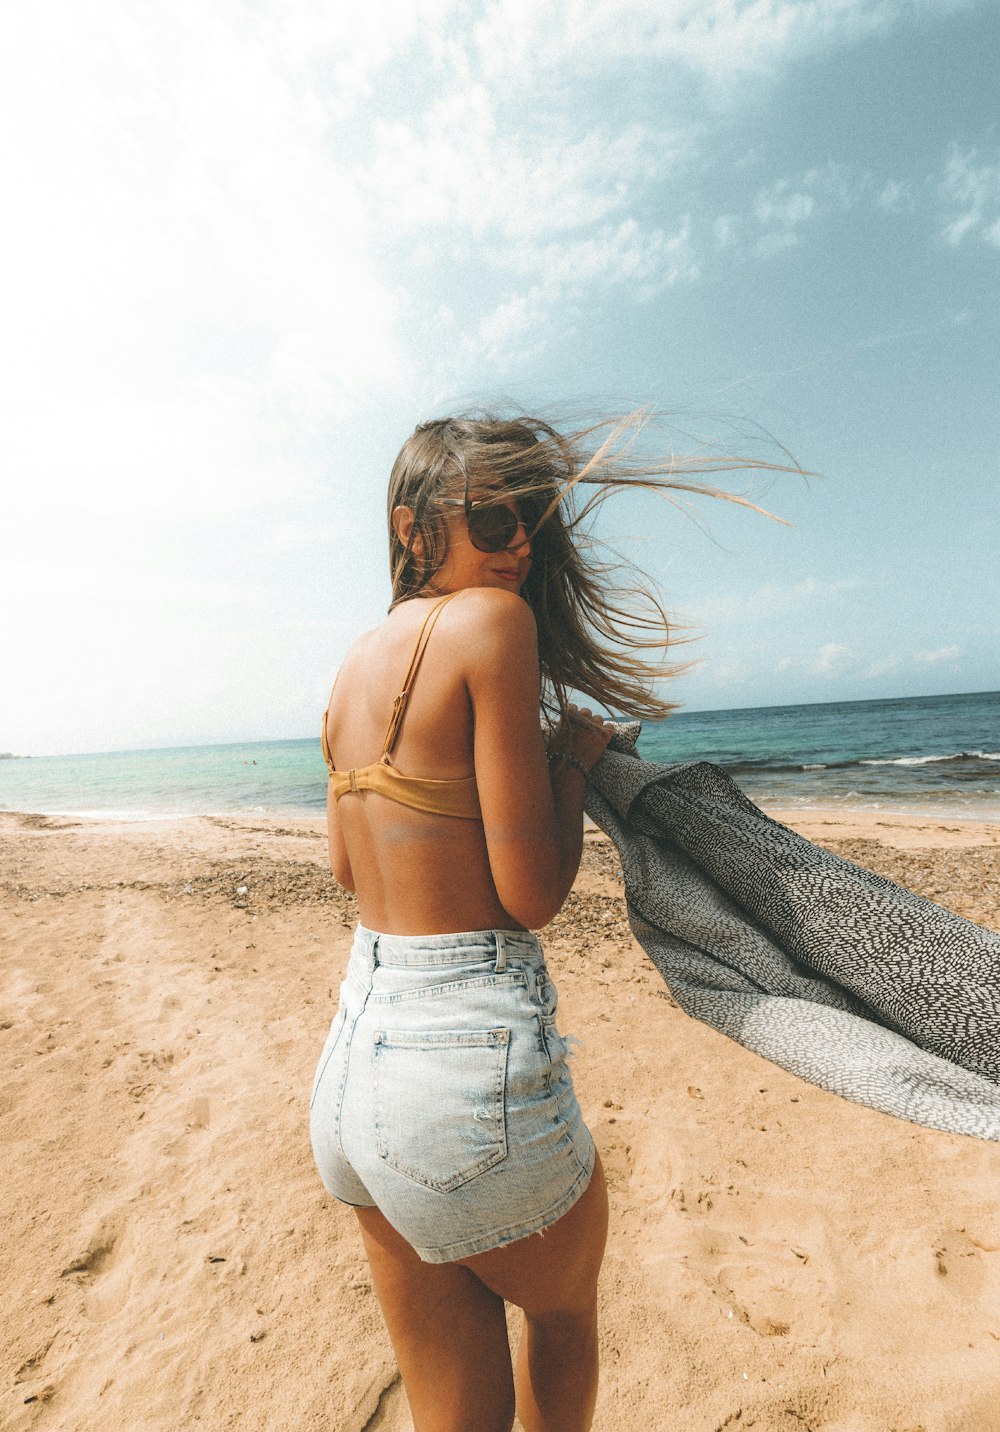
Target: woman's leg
x: 448, y: 1332
x: 553, y: 1277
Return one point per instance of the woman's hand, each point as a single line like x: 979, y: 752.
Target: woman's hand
x: 589, y: 735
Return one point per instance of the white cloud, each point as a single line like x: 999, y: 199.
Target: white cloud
x: 882, y: 666
x: 493, y: 173
x: 722, y: 40
x: 970, y: 187
x: 774, y: 600
x: 727, y: 672
x: 726, y: 231
x: 641, y: 261
x: 467, y: 163
x: 197, y: 305
x: 775, y: 242
x: 194, y: 268
x: 836, y: 185
x: 896, y: 197
x: 645, y: 259
x: 339, y: 50
x: 829, y: 658
x: 782, y: 207
x: 834, y: 657
x: 522, y: 193
x: 513, y: 331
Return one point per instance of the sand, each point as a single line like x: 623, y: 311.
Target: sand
x: 779, y: 1258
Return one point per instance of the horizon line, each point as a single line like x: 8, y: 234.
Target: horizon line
x: 680, y: 712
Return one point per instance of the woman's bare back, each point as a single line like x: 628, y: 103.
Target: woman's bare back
x: 414, y: 871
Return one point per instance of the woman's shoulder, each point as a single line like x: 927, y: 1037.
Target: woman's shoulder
x: 483, y: 620
x: 477, y: 623
x: 492, y: 607
x: 363, y: 652
x: 362, y: 646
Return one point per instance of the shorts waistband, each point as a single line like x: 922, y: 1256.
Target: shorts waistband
x: 465, y: 947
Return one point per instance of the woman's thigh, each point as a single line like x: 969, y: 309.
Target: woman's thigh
x: 448, y: 1332
x: 555, y: 1270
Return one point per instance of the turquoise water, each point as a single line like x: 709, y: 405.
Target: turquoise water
x: 939, y: 754
x: 929, y: 753
x: 263, y: 777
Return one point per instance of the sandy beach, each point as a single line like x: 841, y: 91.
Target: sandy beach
x: 778, y: 1259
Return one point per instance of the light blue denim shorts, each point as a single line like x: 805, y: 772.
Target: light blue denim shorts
x: 442, y: 1095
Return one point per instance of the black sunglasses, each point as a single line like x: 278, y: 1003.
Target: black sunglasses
x: 492, y: 525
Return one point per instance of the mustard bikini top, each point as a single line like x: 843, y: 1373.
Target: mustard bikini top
x: 459, y: 797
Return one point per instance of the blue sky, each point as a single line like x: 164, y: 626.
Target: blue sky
x: 254, y: 243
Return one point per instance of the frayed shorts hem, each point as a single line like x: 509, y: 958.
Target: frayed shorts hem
x: 499, y: 1238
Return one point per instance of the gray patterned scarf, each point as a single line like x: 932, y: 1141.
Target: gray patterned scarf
x: 825, y: 968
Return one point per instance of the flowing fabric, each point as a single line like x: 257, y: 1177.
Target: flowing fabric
x: 819, y: 965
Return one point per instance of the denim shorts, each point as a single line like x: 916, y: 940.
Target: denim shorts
x: 442, y: 1095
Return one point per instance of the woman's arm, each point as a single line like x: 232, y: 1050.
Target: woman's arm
x: 588, y: 739
x: 339, y: 861
x: 533, y: 821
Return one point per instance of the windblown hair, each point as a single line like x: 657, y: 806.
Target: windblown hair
x: 593, y: 633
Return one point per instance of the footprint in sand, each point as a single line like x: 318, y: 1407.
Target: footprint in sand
x: 804, y: 1408
x: 772, y: 1285
x: 31, y: 1390
x: 392, y: 1413
x: 30, y: 1367
x: 968, y: 1264
x: 103, y: 1269
x: 614, y: 1136
x: 381, y: 1407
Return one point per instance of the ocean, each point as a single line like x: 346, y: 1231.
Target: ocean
x: 932, y: 754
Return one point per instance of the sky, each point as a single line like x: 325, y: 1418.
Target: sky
x: 249, y: 244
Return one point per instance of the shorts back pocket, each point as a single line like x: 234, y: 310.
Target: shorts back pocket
x: 439, y: 1103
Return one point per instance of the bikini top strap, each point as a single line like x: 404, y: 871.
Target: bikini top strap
x: 400, y: 703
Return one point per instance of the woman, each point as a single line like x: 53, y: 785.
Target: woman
x: 442, y: 1109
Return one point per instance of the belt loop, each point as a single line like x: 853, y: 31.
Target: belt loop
x: 375, y: 952
x: 501, y: 963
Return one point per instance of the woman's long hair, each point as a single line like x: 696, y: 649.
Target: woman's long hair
x: 593, y: 632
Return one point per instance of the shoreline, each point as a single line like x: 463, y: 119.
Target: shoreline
x: 778, y: 1257
x: 793, y: 816
x: 888, y: 825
